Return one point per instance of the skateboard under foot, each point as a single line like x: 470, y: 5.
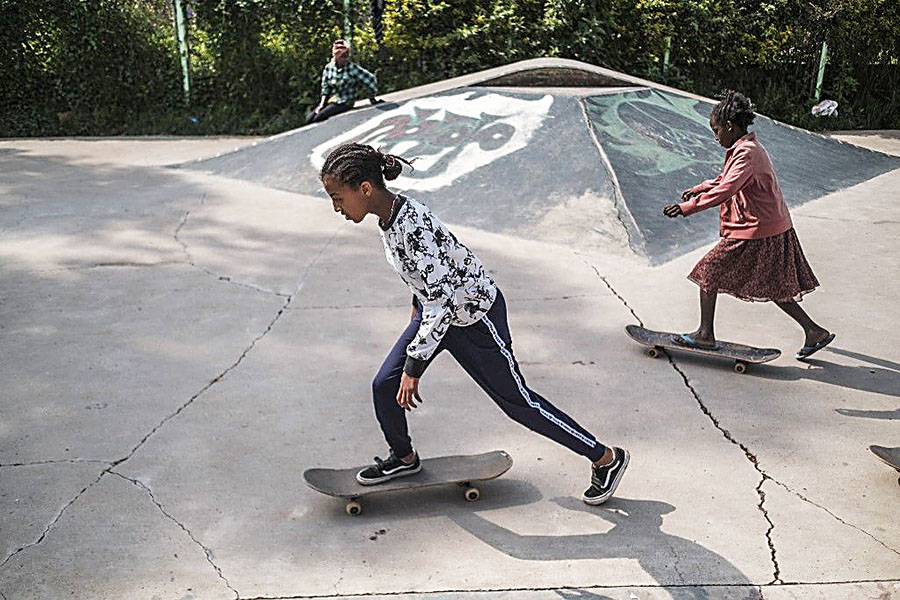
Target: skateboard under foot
x: 444, y: 470
x: 741, y: 355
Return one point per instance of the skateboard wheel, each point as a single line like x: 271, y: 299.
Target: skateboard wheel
x: 353, y: 508
x: 653, y: 352
x: 740, y: 367
x: 472, y: 494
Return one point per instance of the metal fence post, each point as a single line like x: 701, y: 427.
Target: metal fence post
x: 347, y: 24
x: 823, y: 59
x: 181, y: 31
x: 666, y: 55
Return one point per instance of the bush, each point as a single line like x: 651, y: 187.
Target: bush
x: 100, y: 67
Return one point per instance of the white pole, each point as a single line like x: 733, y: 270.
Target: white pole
x: 823, y: 59
x: 181, y: 30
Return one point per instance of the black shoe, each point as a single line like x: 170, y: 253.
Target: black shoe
x: 605, y: 479
x: 385, y: 470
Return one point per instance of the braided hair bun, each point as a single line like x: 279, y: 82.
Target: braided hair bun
x: 391, y: 167
x: 351, y: 164
x: 734, y: 108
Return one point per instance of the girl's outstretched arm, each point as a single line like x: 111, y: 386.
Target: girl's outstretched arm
x: 703, y: 186
x: 736, y: 175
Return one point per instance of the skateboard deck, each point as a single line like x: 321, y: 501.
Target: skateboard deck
x: 889, y: 456
x: 741, y: 355
x: 442, y: 470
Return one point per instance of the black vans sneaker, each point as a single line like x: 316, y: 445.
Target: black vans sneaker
x: 385, y: 470
x: 605, y: 479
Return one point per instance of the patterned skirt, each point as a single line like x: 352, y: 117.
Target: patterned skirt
x: 764, y: 270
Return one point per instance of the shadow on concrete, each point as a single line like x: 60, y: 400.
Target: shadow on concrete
x: 887, y: 415
x: 637, y: 535
x: 864, y: 379
x: 97, y: 203
x: 437, y: 501
x: 577, y: 594
x: 881, y: 362
x: 879, y: 380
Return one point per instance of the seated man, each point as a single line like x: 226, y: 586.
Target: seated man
x: 340, y: 80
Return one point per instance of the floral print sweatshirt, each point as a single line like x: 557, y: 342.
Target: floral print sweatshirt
x: 444, y: 275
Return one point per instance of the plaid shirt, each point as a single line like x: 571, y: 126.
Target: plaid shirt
x: 339, y: 85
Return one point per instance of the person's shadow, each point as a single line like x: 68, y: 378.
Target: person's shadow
x: 637, y: 534
x: 879, y: 375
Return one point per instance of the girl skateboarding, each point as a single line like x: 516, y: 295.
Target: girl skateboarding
x: 759, y: 258
x: 456, y: 307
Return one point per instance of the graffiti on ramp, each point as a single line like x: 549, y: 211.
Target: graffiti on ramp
x: 449, y: 136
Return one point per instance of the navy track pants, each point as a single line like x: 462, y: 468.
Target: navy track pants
x: 484, y: 351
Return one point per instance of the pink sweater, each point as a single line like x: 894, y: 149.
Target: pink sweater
x: 750, y: 202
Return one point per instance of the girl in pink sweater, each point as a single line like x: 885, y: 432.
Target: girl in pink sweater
x: 759, y: 257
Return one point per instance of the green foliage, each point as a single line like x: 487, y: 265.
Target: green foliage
x: 71, y: 64
x: 103, y: 67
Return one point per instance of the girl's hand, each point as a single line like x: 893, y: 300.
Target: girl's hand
x: 672, y: 211
x: 409, y: 392
x: 687, y: 194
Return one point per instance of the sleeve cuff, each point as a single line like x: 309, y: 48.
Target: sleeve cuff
x: 688, y: 206
x: 414, y: 367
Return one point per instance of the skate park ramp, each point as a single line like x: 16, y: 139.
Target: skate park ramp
x: 555, y: 150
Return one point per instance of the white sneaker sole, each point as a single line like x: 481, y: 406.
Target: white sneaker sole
x: 394, y: 475
x: 601, y: 499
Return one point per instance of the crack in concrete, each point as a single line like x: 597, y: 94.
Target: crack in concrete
x: 727, y: 434
x: 686, y: 586
x: 215, y: 380
x: 55, y: 520
x: 633, y: 234
x: 611, y: 288
x: 227, y: 279
x: 61, y: 461
x: 240, y: 358
x: 206, y: 551
x: 819, y: 506
x: 750, y: 456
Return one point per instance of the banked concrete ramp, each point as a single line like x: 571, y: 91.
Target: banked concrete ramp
x: 514, y: 150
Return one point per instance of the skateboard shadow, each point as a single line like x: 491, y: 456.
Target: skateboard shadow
x: 441, y: 500
x: 879, y: 376
x: 579, y: 594
x: 637, y: 534
x: 886, y: 415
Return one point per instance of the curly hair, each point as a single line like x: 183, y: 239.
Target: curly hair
x: 734, y: 107
x: 351, y: 164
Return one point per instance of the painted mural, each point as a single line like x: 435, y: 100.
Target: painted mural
x: 449, y: 136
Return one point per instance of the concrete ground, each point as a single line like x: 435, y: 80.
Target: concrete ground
x: 178, y: 347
